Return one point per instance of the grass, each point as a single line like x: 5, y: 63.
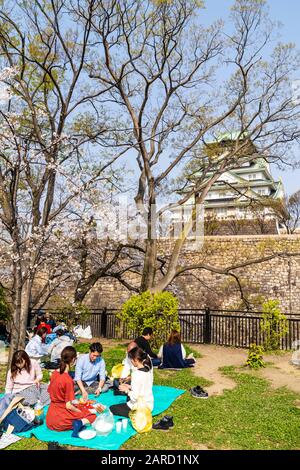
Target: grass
x: 252, y: 416
x: 29, y: 444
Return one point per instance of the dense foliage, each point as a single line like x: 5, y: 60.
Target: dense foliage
x: 274, y: 325
x: 255, y: 357
x: 159, y: 311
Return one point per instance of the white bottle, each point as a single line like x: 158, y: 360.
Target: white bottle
x: 39, y: 413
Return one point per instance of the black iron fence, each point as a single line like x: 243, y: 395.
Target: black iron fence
x: 220, y: 327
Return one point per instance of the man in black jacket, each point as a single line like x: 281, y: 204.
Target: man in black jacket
x: 143, y: 343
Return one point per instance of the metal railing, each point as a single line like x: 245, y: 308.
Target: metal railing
x: 221, y: 327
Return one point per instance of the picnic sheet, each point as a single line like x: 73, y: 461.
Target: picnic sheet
x: 163, y: 399
x: 7, y: 439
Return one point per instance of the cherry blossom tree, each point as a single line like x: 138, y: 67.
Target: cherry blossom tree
x: 49, y: 140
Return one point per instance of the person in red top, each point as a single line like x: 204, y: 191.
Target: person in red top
x: 62, y: 415
x: 43, y: 323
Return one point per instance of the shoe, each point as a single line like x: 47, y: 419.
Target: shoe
x: 169, y: 419
x: 198, y: 392
x: 53, y: 445
x: 163, y: 424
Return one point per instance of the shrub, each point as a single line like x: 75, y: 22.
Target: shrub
x: 255, y: 357
x: 158, y: 311
x: 274, y: 325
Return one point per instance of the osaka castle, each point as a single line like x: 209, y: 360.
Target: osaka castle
x: 232, y: 196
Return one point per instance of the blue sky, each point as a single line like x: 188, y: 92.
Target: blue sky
x: 288, y: 13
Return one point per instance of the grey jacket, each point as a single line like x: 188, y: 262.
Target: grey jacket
x: 57, y: 346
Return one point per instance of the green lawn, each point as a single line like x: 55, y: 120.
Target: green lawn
x: 252, y: 416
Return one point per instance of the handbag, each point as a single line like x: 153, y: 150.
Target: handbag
x: 141, y: 416
x: 21, y: 418
x: 116, y: 371
x: 51, y: 365
x: 11, y: 402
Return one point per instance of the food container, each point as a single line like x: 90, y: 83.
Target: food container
x: 104, y: 423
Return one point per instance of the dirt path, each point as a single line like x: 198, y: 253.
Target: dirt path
x: 214, y: 357
x: 280, y: 374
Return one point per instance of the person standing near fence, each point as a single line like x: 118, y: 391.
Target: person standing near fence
x: 50, y: 320
x: 43, y: 324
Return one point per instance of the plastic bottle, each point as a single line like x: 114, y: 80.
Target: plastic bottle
x: 39, y: 413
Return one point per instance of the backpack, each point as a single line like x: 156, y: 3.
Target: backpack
x: 20, y: 419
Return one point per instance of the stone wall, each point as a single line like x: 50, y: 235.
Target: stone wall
x: 277, y: 278
x: 243, y: 227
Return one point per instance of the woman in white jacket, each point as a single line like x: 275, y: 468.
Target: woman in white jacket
x: 141, y: 383
x: 36, y: 348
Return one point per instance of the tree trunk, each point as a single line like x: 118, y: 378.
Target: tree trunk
x: 26, y: 295
x: 16, y: 315
x: 167, y: 279
x: 149, y: 269
x: 20, y: 316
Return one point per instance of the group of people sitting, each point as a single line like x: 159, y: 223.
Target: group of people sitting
x: 45, y: 320
x: 171, y: 355
x: 89, y: 377
x: 49, y: 340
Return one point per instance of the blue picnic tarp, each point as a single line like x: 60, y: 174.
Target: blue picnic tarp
x: 163, y: 399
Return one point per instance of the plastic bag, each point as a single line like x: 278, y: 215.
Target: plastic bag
x: 50, y: 338
x: 85, y: 333
x: 296, y: 358
x: 38, y: 413
x: 104, y: 423
x: 141, y: 416
x: 117, y: 371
